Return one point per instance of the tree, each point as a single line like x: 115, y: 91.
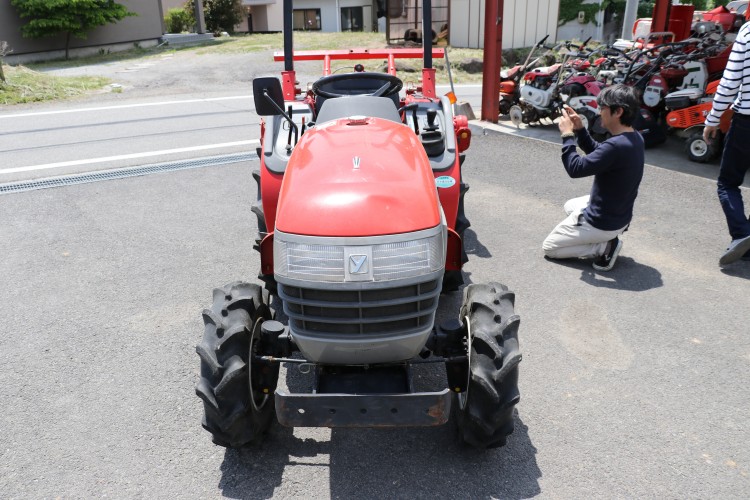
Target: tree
x: 69, y: 17
x: 222, y: 15
x: 4, y: 50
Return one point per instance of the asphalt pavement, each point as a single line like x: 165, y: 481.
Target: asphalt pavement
x: 633, y: 383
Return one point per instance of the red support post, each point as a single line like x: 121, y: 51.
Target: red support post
x: 660, y: 16
x: 289, y: 85
x: 493, y: 46
x: 428, y: 83
x: 391, y: 65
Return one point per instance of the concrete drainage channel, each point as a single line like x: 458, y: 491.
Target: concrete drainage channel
x: 121, y: 173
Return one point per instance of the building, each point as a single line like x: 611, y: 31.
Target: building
x: 525, y: 22
x: 264, y: 16
x: 604, y: 26
x: 144, y: 29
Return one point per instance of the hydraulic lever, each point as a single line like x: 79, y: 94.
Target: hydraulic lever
x: 288, y: 118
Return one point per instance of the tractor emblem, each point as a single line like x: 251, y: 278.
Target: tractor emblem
x: 357, y: 264
x: 356, y: 161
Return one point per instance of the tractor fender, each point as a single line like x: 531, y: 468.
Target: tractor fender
x: 270, y: 185
x: 266, y: 254
x: 453, y: 253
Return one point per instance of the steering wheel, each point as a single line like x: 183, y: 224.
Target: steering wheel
x: 362, y: 83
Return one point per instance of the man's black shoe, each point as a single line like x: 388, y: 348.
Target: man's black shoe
x: 607, y: 261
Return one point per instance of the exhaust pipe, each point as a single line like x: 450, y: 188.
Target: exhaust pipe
x: 427, y: 32
x: 288, y: 41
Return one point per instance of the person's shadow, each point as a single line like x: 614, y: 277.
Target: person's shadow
x: 740, y: 269
x: 627, y: 274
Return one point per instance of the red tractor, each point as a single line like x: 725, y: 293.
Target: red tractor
x: 361, y: 221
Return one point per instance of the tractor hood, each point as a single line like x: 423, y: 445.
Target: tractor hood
x: 358, y: 177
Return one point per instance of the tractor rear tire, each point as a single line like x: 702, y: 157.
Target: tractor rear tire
x: 235, y: 415
x: 485, y: 409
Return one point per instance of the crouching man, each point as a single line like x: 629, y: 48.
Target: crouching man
x: 596, y: 220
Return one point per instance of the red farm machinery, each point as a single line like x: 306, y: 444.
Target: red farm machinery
x: 360, y: 230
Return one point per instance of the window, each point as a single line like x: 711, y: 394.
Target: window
x: 306, y: 19
x: 351, y: 19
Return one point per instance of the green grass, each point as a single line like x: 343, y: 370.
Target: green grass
x: 101, y: 58
x: 24, y: 85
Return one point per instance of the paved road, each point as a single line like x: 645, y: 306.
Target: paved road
x: 121, y: 131
x: 51, y: 141
x: 634, y: 383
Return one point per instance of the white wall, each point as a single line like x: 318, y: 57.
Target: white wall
x: 525, y: 22
x: 328, y: 18
x: 573, y: 30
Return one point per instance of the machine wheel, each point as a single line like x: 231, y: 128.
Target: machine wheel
x: 485, y: 409
x: 504, y: 106
x: 698, y: 149
x: 516, y: 115
x: 588, y: 117
x: 236, y: 411
x: 573, y: 90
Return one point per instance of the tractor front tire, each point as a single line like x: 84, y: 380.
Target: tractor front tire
x: 236, y: 413
x: 485, y: 409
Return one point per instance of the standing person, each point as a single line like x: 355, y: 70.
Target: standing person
x: 734, y: 90
x: 595, y: 221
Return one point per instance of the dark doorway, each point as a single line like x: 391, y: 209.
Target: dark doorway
x: 352, y: 19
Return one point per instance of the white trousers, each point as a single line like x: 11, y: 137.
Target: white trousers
x: 575, y: 237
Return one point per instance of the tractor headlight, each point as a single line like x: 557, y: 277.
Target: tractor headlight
x: 378, y: 258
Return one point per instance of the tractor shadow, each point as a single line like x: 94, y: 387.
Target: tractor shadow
x: 628, y: 274
x: 385, y: 463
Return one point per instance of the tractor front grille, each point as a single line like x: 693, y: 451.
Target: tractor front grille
x: 376, y: 313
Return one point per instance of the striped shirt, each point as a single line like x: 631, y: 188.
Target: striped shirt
x: 734, y: 88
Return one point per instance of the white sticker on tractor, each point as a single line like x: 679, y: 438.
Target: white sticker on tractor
x: 445, y: 181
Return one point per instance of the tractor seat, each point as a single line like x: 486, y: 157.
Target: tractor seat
x: 361, y: 105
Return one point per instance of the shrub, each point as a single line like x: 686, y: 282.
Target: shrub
x: 222, y: 15
x: 176, y: 20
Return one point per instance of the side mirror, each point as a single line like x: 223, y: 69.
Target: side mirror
x: 269, y: 99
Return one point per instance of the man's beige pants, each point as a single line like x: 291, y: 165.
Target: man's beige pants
x: 575, y: 237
